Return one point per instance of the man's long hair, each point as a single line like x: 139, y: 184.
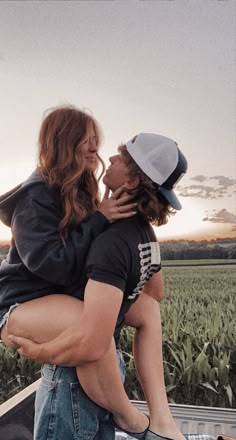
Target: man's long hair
x: 151, y: 204
x: 60, y: 160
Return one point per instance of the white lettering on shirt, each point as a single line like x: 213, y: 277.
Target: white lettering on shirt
x: 150, y: 259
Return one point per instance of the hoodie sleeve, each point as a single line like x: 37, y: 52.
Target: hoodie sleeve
x: 35, y: 231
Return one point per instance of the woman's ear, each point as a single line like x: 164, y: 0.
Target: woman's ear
x: 132, y: 184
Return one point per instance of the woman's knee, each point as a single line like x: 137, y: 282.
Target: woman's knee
x: 4, y: 337
x: 145, y: 311
x: 44, y: 318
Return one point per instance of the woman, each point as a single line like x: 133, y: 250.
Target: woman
x: 51, y: 259
x: 55, y: 215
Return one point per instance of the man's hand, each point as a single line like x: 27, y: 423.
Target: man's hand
x: 28, y: 348
x: 45, y: 352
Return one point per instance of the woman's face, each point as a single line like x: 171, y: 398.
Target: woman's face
x: 88, y: 149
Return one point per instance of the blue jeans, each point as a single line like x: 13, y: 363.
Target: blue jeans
x: 64, y: 412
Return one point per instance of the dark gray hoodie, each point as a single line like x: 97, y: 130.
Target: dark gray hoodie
x: 38, y: 262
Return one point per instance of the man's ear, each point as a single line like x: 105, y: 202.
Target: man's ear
x: 132, y: 184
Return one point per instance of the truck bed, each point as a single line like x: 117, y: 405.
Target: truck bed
x: 17, y: 414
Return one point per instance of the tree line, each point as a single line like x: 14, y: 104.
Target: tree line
x: 197, y: 250
x: 185, y: 250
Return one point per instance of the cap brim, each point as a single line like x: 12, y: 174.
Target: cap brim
x: 171, y: 198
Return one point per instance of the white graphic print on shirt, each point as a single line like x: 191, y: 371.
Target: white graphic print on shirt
x: 150, y: 259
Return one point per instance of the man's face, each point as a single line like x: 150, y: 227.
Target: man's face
x: 117, y: 173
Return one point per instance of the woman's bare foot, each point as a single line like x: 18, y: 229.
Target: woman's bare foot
x: 138, y: 423
x: 166, y: 428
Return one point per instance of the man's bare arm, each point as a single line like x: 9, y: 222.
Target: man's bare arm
x: 90, y: 339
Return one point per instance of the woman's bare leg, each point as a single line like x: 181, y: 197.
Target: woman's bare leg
x: 45, y: 318
x: 42, y: 319
x: 102, y: 383
x: 144, y: 315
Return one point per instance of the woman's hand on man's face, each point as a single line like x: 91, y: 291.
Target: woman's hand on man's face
x: 116, y: 206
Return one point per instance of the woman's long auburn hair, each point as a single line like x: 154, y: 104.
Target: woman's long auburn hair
x: 60, y: 161
x: 150, y: 203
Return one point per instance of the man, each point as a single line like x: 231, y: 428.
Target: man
x: 123, y: 262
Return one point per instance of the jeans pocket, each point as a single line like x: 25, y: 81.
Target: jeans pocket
x: 85, y: 413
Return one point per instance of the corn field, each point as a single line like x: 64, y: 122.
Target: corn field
x: 199, y: 341
x: 16, y: 372
x: 199, y: 337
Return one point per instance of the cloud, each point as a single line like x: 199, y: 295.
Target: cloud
x: 221, y: 187
x: 202, y: 191
x: 199, y: 178
x: 221, y: 216
x: 224, y: 181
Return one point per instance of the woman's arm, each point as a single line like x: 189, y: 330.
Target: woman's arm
x: 41, y: 249
x: 35, y: 231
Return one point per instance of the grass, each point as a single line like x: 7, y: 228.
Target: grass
x: 17, y: 372
x: 199, y: 341
x: 199, y: 344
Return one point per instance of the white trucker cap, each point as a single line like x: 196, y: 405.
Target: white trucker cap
x: 161, y: 160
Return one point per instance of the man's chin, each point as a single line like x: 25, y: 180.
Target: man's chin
x: 105, y: 181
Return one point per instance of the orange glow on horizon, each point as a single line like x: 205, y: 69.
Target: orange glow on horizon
x: 217, y: 232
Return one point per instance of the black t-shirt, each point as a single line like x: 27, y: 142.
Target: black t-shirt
x: 126, y: 256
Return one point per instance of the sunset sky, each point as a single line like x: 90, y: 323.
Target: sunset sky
x: 165, y: 67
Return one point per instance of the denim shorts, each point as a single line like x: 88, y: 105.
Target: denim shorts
x: 64, y: 411
x: 4, y: 315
